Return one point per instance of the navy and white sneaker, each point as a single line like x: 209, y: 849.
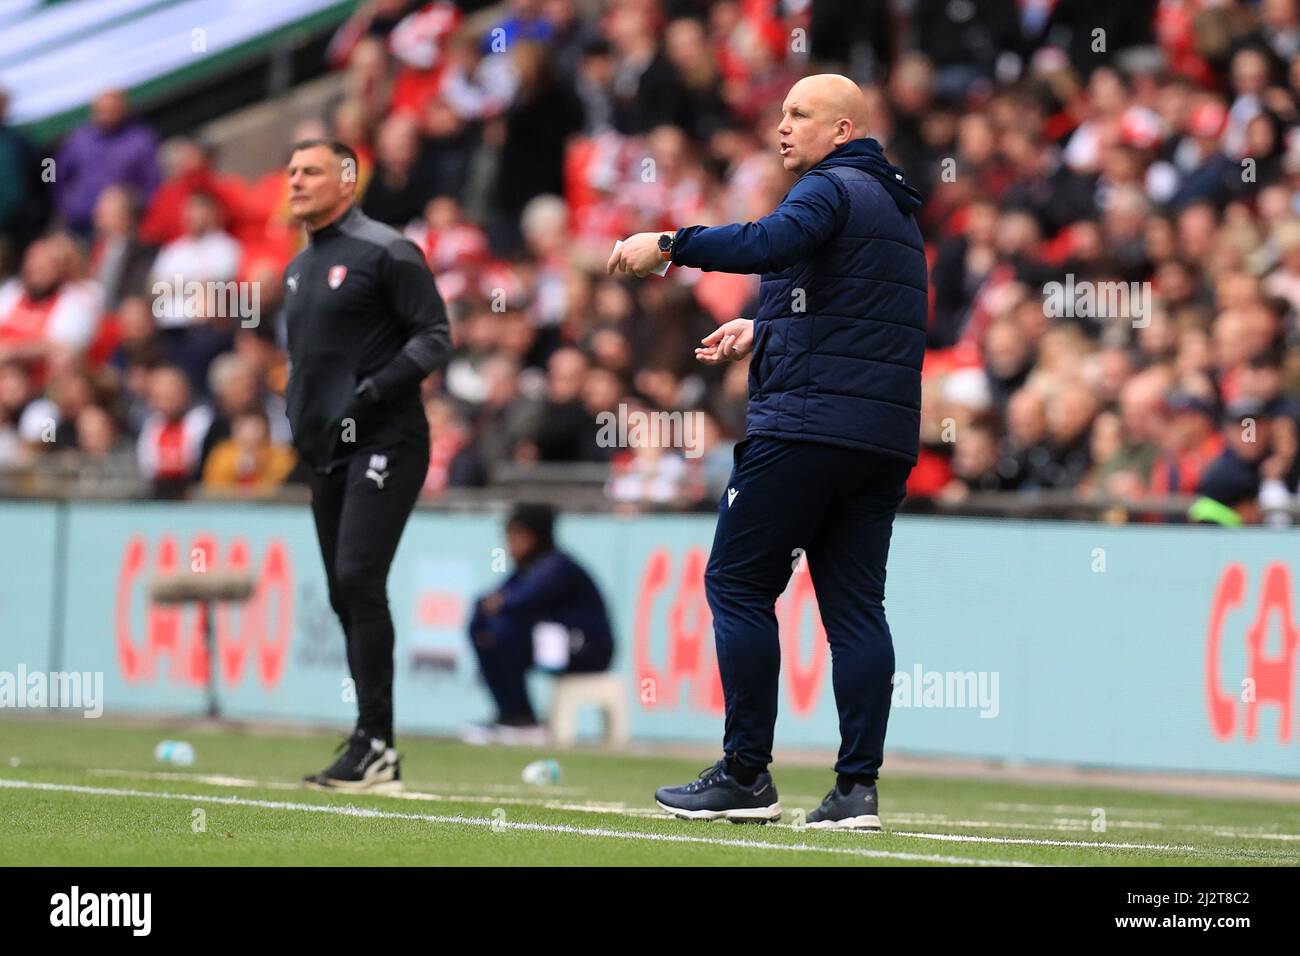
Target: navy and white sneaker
x: 859, y: 809
x: 365, y: 765
x: 717, y: 795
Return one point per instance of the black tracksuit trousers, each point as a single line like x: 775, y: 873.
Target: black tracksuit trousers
x: 360, y: 508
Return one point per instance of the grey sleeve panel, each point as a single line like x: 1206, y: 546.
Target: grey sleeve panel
x: 365, y: 229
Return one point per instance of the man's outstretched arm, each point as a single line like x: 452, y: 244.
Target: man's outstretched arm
x: 812, y: 212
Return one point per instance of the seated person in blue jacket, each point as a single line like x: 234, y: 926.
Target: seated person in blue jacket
x: 548, y: 614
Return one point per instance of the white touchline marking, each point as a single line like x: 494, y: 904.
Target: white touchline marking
x: 600, y: 832
x: 224, y: 780
x: 1073, y: 825
x: 588, y: 807
x: 212, y: 779
x: 1027, y: 841
x: 617, y: 807
x: 1285, y: 837
x: 1063, y: 824
x: 1069, y: 825
x: 1072, y: 807
x: 219, y: 780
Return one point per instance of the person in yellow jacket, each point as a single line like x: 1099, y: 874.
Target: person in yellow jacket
x: 248, y: 462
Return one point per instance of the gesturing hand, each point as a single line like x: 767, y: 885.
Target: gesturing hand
x: 639, y: 255
x: 727, y: 343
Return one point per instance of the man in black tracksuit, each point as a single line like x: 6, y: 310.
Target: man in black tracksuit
x: 365, y: 324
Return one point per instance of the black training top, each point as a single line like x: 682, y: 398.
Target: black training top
x: 360, y: 304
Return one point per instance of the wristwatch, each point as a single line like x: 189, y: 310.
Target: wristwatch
x: 666, y: 246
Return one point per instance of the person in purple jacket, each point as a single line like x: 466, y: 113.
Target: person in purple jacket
x: 112, y: 149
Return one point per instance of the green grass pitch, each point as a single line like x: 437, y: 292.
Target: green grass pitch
x: 90, y: 793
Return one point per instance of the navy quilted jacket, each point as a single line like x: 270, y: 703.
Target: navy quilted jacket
x: 840, y: 332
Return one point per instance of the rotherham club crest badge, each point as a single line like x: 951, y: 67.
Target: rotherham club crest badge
x: 337, y: 274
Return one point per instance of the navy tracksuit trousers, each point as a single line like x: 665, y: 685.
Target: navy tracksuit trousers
x: 837, y: 505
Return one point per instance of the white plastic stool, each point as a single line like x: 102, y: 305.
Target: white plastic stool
x: 571, y: 692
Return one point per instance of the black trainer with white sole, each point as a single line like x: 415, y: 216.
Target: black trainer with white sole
x: 366, y: 765
x: 717, y: 795
x: 859, y: 809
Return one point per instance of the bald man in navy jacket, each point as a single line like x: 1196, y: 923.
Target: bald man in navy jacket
x: 832, y: 434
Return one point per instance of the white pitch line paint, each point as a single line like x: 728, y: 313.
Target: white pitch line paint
x: 597, y: 832
x: 1285, y: 837
x: 218, y: 780
x: 222, y: 780
x: 912, y: 819
x: 1072, y: 825
x: 1064, y: 825
x: 1068, y: 825
x: 212, y: 779
x: 1026, y: 841
x: 1084, y: 810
